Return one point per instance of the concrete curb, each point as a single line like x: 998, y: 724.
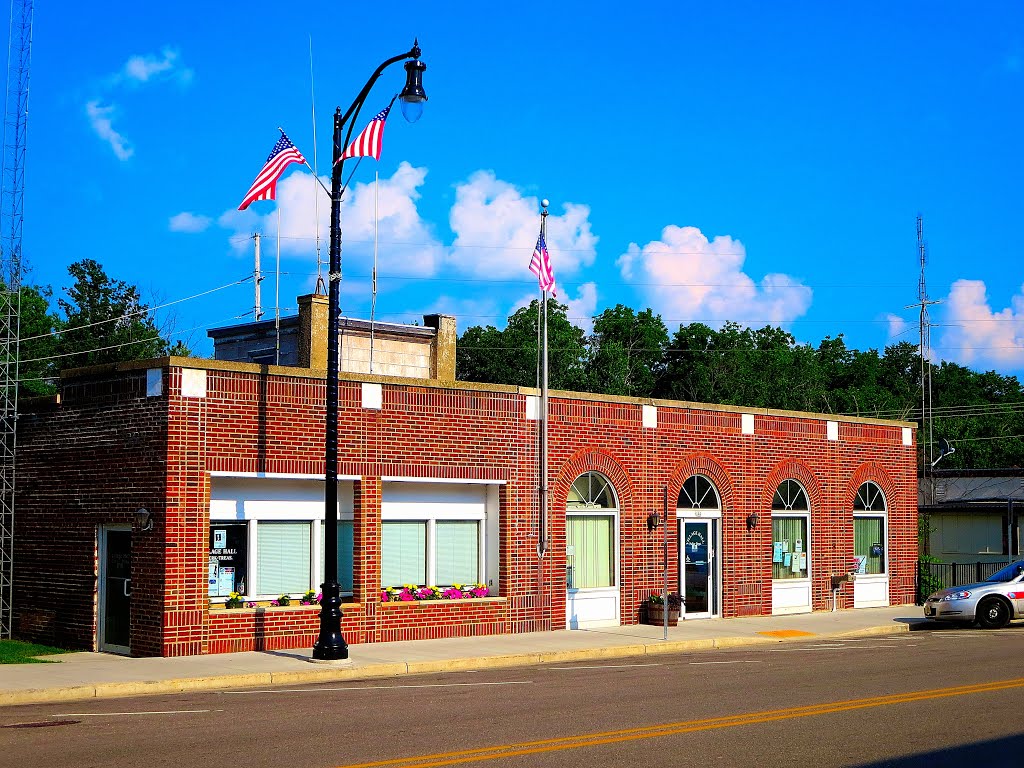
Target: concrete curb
x: 398, y: 669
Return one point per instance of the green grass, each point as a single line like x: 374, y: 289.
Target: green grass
x: 17, y: 652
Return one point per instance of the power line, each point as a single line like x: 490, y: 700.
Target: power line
x: 144, y: 311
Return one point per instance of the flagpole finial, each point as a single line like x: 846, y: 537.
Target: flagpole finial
x: 544, y: 206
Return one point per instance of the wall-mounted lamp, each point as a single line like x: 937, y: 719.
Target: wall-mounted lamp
x: 144, y: 518
x: 752, y: 521
x: 653, y: 521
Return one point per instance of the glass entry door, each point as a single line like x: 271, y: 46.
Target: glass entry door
x: 115, y: 603
x: 698, y: 568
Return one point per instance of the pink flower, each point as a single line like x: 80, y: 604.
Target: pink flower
x: 383, y: 596
x: 274, y: 602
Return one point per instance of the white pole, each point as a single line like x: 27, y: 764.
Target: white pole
x: 373, y: 298
x: 257, y: 278
x: 542, y: 542
x: 316, y: 177
x: 277, y: 295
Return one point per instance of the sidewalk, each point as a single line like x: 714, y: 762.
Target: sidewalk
x: 96, y: 675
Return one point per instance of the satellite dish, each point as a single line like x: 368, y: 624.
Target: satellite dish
x: 945, y: 449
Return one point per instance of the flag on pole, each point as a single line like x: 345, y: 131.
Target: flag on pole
x: 281, y: 156
x: 540, y: 265
x: 369, y: 142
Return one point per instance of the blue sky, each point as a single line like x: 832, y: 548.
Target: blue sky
x: 756, y: 162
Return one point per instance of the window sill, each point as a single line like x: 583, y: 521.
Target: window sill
x: 426, y: 603
x: 262, y: 608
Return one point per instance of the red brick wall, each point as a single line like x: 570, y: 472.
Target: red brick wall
x: 252, y: 422
x: 93, y: 461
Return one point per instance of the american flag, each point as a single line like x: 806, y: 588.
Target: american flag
x: 369, y: 142
x: 540, y: 265
x: 281, y: 156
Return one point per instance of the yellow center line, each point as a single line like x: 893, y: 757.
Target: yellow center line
x: 686, y: 726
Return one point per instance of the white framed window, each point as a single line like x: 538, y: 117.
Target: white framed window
x: 267, y: 537
x: 869, y: 529
x: 698, y: 492
x: 438, y: 534
x: 591, y: 533
x: 791, y: 534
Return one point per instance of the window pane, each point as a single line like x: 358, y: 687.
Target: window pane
x: 345, y: 545
x: 283, y: 551
x: 457, y: 552
x: 403, y: 554
x: 789, y: 533
x: 868, y: 531
x: 593, y: 558
x: 229, y: 558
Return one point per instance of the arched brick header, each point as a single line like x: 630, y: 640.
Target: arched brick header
x: 870, y: 471
x: 791, y: 470
x: 701, y: 464
x: 591, y: 460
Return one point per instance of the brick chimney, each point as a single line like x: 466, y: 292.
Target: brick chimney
x: 313, y: 331
x: 442, y: 354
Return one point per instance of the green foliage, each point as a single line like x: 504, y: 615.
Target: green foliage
x: 100, y: 320
x: 18, y: 652
x: 632, y: 354
x: 627, y: 352
x: 509, y: 356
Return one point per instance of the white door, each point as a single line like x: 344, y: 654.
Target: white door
x: 698, y: 568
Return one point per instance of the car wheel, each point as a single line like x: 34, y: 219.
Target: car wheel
x: 993, y: 614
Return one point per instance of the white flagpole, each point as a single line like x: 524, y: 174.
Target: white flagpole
x: 542, y: 539
x: 316, y: 177
x: 373, y: 299
x: 277, y: 295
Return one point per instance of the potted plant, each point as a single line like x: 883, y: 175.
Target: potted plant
x: 656, y: 605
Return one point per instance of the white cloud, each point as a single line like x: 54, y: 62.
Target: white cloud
x: 100, y: 117
x: 142, y: 68
x: 407, y: 245
x: 974, y: 334
x: 138, y: 70
x: 897, y: 325
x: 496, y: 230
x: 581, y: 310
x: 684, y: 277
x: 189, y: 222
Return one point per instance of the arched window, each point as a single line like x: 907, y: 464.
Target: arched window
x: 790, y: 495
x: 591, y: 491
x: 590, y: 515
x: 698, y: 493
x: 869, y: 510
x: 791, y: 545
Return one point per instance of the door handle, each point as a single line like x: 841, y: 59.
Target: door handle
x: 127, y: 592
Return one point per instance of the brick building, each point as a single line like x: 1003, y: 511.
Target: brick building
x: 148, y: 491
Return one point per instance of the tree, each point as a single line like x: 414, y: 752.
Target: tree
x: 509, y: 356
x: 105, y: 321
x: 37, y: 350
x: 627, y: 352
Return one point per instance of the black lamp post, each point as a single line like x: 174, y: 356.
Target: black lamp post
x: 330, y: 644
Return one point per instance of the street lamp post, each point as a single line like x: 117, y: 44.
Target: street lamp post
x: 330, y: 644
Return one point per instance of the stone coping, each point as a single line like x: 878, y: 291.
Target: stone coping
x: 468, y: 386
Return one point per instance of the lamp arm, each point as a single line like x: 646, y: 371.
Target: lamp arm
x: 357, y: 104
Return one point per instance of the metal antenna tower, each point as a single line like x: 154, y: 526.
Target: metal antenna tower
x: 923, y: 302
x: 19, y: 55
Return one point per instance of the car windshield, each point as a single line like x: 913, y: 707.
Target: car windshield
x: 1009, y: 573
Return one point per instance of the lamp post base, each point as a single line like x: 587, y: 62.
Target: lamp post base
x: 330, y: 644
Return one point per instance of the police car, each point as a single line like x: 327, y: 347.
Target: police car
x: 993, y: 603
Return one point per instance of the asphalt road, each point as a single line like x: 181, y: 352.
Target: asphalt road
x: 947, y: 697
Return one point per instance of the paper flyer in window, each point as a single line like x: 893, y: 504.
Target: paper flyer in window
x: 777, y: 552
x: 787, y: 559
x: 796, y: 562
x: 803, y: 561
x: 798, y: 545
